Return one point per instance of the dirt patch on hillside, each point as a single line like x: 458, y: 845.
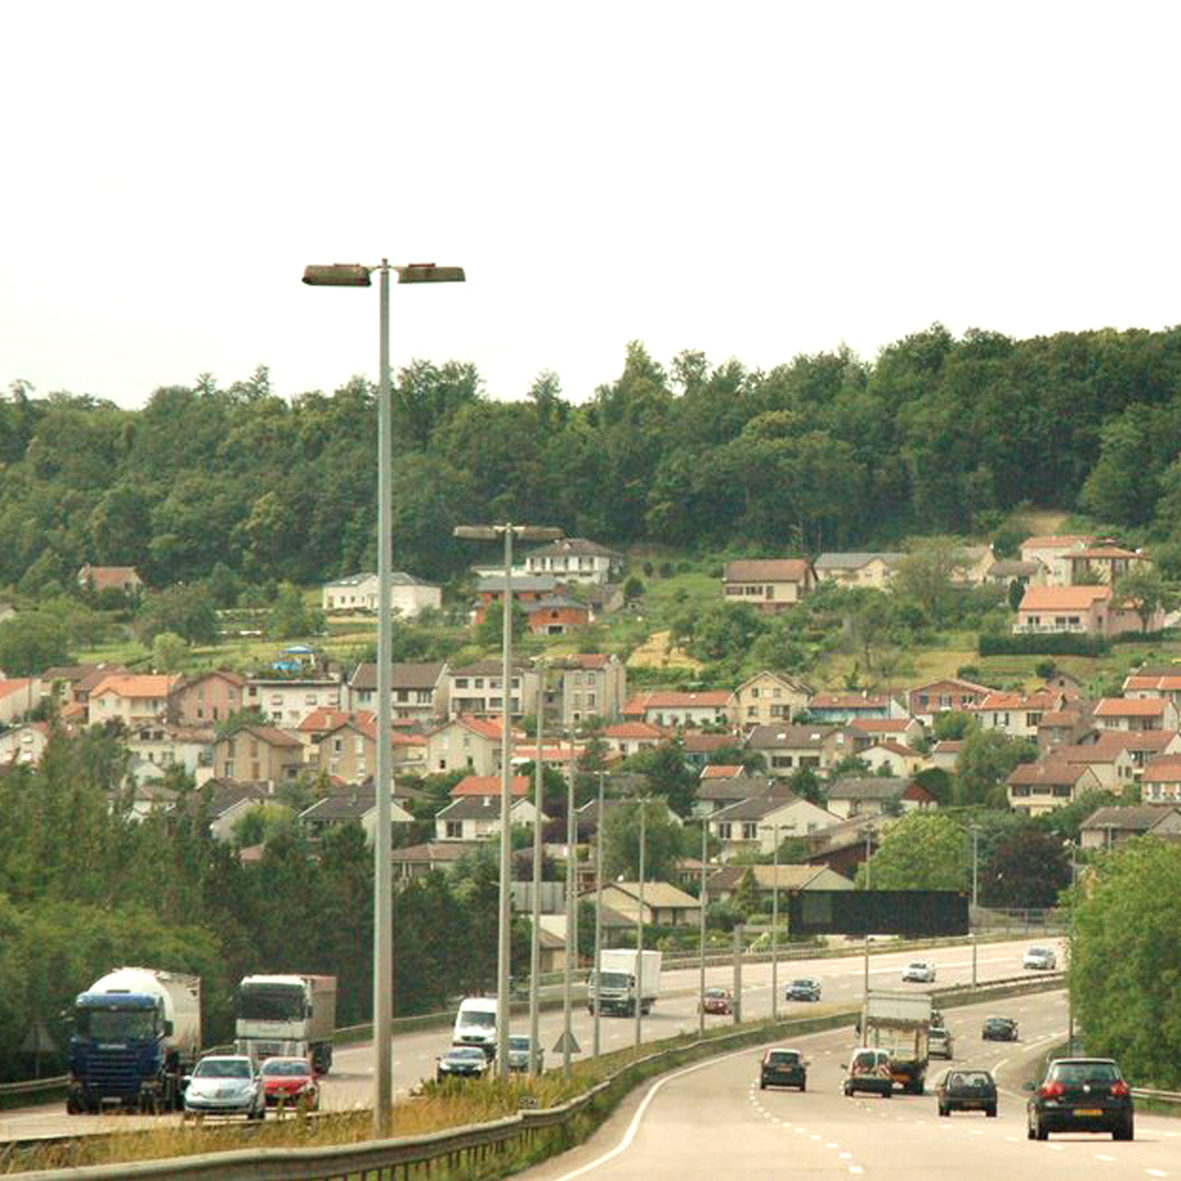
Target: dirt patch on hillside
x: 658, y: 652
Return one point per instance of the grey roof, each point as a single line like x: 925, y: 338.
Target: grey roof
x: 574, y: 545
x: 340, y: 806
x: 854, y: 561
x: 1014, y: 569
x: 557, y: 601
x: 738, y: 787
x: 433, y: 851
x: 397, y: 578
x: 539, y: 583
x: 490, y: 668
x: 756, y: 807
x: 227, y: 793
x: 876, y: 787
x: 422, y: 674
x: 1129, y: 818
x: 473, y: 808
x: 771, y: 737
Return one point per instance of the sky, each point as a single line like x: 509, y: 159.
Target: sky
x: 750, y: 180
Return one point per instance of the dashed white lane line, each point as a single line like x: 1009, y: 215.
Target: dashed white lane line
x: 1103, y: 1156
x: 1156, y: 1172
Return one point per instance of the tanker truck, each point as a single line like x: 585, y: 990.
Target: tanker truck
x: 137, y: 1032
x: 290, y: 1015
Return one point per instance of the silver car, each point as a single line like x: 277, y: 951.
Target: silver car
x: 226, y: 1084
x: 518, y: 1053
x: 1040, y: 959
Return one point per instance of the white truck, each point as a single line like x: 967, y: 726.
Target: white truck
x: 475, y: 1023
x: 137, y: 1032
x: 625, y: 977
x: 899, y: 1023
x: 291, y: 1015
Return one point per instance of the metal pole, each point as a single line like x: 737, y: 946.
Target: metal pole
x: 868, y: 854
x: 775, y: 928
x: 383, y: 919
x: 738, y: 974
x: 571, y: 911
x: 535, y: 935
x: 640, y: 930
x: 865, y: 997
x: 701, y: 896
x: 598, y: 906
x: 972, y: 936
x: 975, y: 860
x: 504, y: 950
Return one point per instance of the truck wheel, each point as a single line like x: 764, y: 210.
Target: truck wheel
x: 889, y: 1094
x: 917, y: 1089
x: 803, y: 1085
x: 72, y: 1107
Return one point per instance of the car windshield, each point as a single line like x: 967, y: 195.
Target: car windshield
x: 783, y: 1057
x: 465, y: 1054
x: 999, y: 1021
x: 222, y: 1068
x: 1086, y: 1072
x: 518, y: 1043
x: 971, y: 1078
x: 715, y: 992
x: 286, y: 1067
x: 480, y: 1020
x: 803, y: 983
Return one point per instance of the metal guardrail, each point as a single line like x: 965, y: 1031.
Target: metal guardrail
x: 33, y: 1085
x: 475, y: 1144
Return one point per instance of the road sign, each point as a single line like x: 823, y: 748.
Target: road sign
x: 567, y: 1040
x: 878, y: 912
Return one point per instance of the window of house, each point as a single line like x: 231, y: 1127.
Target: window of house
x: 454, y: 829
x: 461, y: 682
x: 750, y: 831
x: 782, y: 761
x: 724, y: 830
x: 809, y: 760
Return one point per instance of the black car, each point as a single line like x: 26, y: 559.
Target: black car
x: 782, y: 1067
x: 804, y: 989
x: 966, y: 1090
x: 462, y: 1062
x: 1081, y: 1095
x: 999, y: 1029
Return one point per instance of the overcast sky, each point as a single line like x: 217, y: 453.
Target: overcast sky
x: 753, y: 180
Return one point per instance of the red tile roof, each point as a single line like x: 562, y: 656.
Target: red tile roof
x: 1162, y: 769
x: 1130, y: 707
x: 489, y: 785
x: 882, y: 725
x: 1063, y: 598
x: 722, y: 771
x: 1056, y: 541
x: 134, y: 685
x: 767, y: 570
x: 633, y: 730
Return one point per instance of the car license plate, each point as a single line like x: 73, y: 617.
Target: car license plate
x: 1085, y: 1111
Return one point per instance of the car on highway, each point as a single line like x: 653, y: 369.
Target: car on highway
x: 781, y: 1066
x: 1040, y: 959
x: 1081, y: 1095
x: 966, y: 1090
x: 918, y: 972
x: 869, y: 1070
x: 806, y: 988
x: 939, y: 1043
x: 290, y: 1082
x: 717, y: 1001
x: 999, y: 1029
x: 518, y: 1053
x: 462, y: 1062
x: 225, y: 1084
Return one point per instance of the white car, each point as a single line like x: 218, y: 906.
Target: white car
x: 226, y: 1084
x: 1040, y: 959
x: 918, y: 972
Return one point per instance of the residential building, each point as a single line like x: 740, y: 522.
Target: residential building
x: 973, y: 563
x: 409, y: 596
x: 259, y: 754
x: 416, y: 861
x: 664, y: 904
x: 476, y: 689
x: 946, y: 755
x: 873, y: 570
x: 1160, y: 780
x: 723, y: 884
x: 160, y: 746
x: 867, y: 732
x: 556, y: 615
x: 207, y: 697
x: 714, y: 794
x: 124, y: 579
x: 574, y: 559
x: 476, y: 818
x: 1142, y: 746
x: 894, y: 758
x: 852, y: 796
x: 585, y: 686
x: 842, y: 708
x: 19, y: 696
x: 670, y: 708
x: 770, y: 585
x: 1112, y: 763
x: 527, y: 590
x: 846, y: 845
x: 629, y: 738
x: 1113, y: 825
x: 490, y: 785
x: 1147, y: 683
x: 1017, y: 714
x: 752, y: 825
x: 1037, y: 788
x: 788, y: 748
x: 699, y: 747
x: 945, y: 695
x: 1051, y: 552
x: 1089, y: 610
x: 130, y: 698
x: 227, y: 802
x: 1136, y: 713
x: 1107, y: 563
x: 347, y: 807
x: 766, y: 699
x: 1009, y: 571
x: 287, y: 701
x: 465, y: 744
x: 418, y: 689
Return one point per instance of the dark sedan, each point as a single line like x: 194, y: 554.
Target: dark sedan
x: 1081, y: 1095
x: 782, y: 1067
x: 462, y: 1062
x: 999, y: 1029
x: 966, y: 1090
x: 803, y: 989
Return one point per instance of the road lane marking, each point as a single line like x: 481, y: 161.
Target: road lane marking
x: 1156, y: 1172
x: 1103, y: 1156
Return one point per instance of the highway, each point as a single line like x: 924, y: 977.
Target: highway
x: 350, y: 1083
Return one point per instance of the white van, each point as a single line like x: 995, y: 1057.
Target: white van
x: 475, y: 1023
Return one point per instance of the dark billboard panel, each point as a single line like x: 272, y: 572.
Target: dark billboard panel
x: 878, y: 912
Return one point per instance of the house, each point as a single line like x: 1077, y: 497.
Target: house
x: 476, y: 689
x: 1060, y: 727
x: 754, y: 824
x: 587, y: 685
x: 574, y: 559
x: 699, y: 747
x: 465, y: 744
x: 23, y: 745
x: 874, y: 570
x: 348, y: 749
x: 1145, y: 683
x: 866, y: 732
x: 409, y: 596
x: 973, y: 563
x: 226, y: 802
x: 770, y: 585
x: 527, y: 589
x: 766, y: 699
x: 417, y: 861
x: 418, y: 689
x: 786, y: 749
x: 671, y: 708
x: 846, y: 707
x: 1037, y: 788
x: 556, y: 615
x: 717, y: 793
x: 287, y: 701
x: 1107, y: 563
x: 72, y: 684
x: 1136, y: 713
x: 160, y: 746
x: 124, y: 579
x: 208, y: 697
x: 847, y: 844
x: 1142, y: 746
x: 130, y: 698
x: 893, y: 758
x: 860, y: 796
x: 1051, y: 552
x: 722, y: 885
x: 629, y: 738
x: 477, y: 817
x: 490, y: 785
x: 1112, y: 763
x: 347, y: 806
x: 19, y: 696
x: 1009, y: 571
x: 945, y: 695
x: 259, y: 754
x: 1058, y: 608
x: 664, y: 904
x: 722, y: 771
x: 1113, y: 825
x: 1160, y: 780
x: 946, y: 755
x: 1018, y: 714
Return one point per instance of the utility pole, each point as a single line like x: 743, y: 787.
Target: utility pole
x: 535, y: 939
x: 701, y: 896
x: 640, y: 928
x: 598, y: 907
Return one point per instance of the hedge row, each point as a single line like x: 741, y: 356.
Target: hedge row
x: 1043, y: 644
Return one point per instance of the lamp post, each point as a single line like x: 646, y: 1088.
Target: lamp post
x: 701, y: 929
x: 598, y: 907
x: 507, y: 531
x: 571, y: 914
x: 643, y: 802
x: 535, y: 933
x: 775, y: 927
x: 359, y: 275
x: 975, y: 830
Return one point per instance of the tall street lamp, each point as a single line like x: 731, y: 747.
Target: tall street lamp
x: 975, y: 830
x: 643, y: 802
x: 359, y: 275
x: 598, y: 909
x: 701, y: 929
x: 775, y: 926
x: 535, y: 933
x: 503, y: 954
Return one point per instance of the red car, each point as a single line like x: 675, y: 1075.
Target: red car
x: 717, y: 1001
x: 290, y: 1082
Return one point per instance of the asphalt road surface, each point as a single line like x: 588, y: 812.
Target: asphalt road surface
x: 350, y: 1084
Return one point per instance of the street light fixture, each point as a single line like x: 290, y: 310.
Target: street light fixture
x: 360, y: 275
x: 508, y: 532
